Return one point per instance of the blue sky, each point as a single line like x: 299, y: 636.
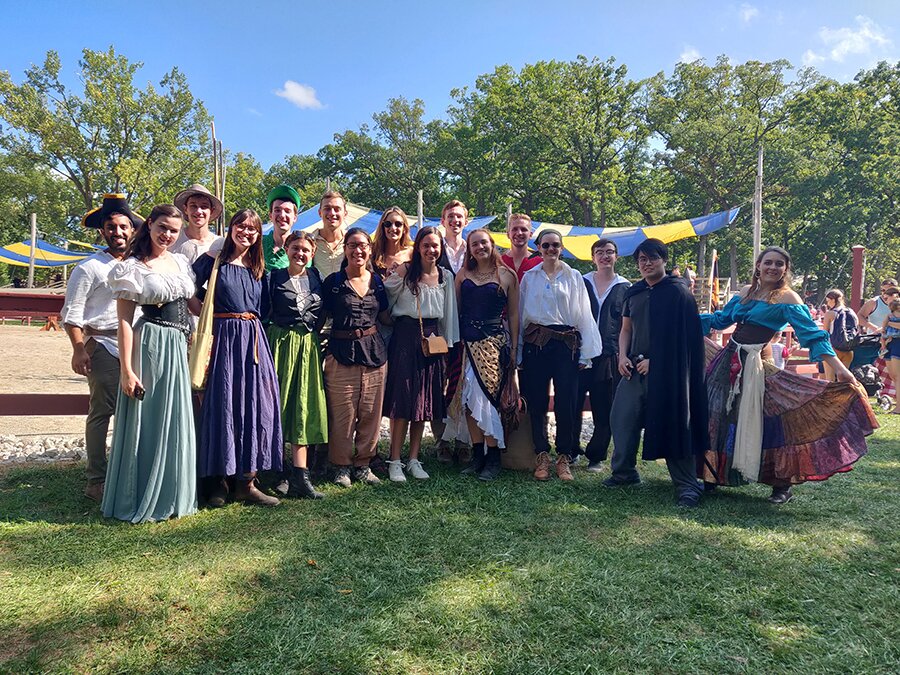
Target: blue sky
x: 336, y: 63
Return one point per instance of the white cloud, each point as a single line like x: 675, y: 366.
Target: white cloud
x: 689, y: 54
x: 748, y: 13
x: 810, y: 58
x: 842, y: 42
x: 301, y: 95
x: 254, y: 112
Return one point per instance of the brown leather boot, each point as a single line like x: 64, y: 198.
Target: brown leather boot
x: 94, y: 491
x: 248, y: 493
x: 542, y: 467
x: 563, y: 470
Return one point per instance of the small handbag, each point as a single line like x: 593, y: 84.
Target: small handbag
x: 433, y: 345
x: 202, y: 341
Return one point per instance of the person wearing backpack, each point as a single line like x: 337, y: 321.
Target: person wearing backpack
x: 843, y: 327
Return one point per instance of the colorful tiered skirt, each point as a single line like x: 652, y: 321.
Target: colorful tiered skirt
x: 811, y: 428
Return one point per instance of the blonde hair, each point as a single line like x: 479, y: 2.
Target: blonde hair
x: 452, y: 204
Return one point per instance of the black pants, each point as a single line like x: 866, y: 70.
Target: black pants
x: 600, y: 381
x: 556, y: 362
x: 628, y: 418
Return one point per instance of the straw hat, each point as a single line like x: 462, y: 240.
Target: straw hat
x: 196, y: 189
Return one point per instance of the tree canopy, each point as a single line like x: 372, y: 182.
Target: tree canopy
x: 576, y: 142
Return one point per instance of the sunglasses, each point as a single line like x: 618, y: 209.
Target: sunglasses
x: 551, y: 244
x: 393, y: 223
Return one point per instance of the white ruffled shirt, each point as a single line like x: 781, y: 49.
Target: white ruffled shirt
x: 89, y: 299
x: 562, y: 300
x: 132, y: 280
x: 438, y: 302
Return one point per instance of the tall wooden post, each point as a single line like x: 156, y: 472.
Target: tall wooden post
x: 420, y: 207
x: 31, y: 258
x: 757, y: 209
x: 858, y: 279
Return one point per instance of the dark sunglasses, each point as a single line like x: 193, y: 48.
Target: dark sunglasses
x: 550, y: 244
x: 393, y: 223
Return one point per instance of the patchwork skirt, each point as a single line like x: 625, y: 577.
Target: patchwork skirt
x: 811, y: 428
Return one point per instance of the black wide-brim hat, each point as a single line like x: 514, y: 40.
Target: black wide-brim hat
x: 112, y: 203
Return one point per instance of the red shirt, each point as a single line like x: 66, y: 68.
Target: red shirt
x: 527, y: 264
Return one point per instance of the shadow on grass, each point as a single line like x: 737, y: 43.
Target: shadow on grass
x: 454, y: 575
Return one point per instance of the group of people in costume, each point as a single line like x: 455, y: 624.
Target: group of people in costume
x: 319, y: 335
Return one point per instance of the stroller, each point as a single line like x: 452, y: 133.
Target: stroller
x: 864, y: 354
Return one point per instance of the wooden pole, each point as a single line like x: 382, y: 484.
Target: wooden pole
x: 508, y: 213
x: 327, y: 183
x: 221, y: 184
x: 66, y: 267
x: 757, y: 209
x: 858, y: 278
x: 31, y: 258
x: 420, y: 207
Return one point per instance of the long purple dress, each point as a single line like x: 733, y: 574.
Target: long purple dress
x: 240, y: 428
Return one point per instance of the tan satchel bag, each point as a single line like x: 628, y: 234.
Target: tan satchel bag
x: 433, y: 345
x: 202, y: 341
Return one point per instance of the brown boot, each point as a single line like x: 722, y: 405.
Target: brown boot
x: 542, y: 467
x: 563, y: 470
x: 94, y: 491
x: 248, y: 493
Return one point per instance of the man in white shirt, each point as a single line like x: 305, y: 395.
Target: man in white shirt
x: 454, y: 217
x: 200, y: 207
x: 89, y: 317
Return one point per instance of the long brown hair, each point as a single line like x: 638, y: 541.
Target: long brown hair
x: 414, y: 271
x: 837, y: 295
x: 253, y: 258
x: 379, y: 243
x: 785, y: 280
x: 470, y: 262
x: 140, y: 246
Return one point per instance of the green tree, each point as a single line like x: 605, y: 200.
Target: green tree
x: 245, y: 186
x: 113, y: 136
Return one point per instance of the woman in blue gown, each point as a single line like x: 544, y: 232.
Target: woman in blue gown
x: 151, y: 474
x: 240, y: 425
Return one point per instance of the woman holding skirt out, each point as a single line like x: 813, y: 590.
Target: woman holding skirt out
x: 151, y: 474
x: 294, y: 308
x: 240, y: 429
x: 486, y: 288
x: 772, y: 426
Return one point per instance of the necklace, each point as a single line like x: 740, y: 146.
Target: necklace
x: 483, y: 276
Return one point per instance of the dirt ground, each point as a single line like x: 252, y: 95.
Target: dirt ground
x: 33, y: 362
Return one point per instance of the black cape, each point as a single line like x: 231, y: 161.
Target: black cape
x: 676, y: 416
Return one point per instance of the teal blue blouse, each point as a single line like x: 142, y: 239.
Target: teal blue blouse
x: 776, y: 317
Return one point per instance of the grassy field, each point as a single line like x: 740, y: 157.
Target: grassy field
x: 455, y: 575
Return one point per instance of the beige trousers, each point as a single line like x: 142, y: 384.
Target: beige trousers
x: 355, y: 395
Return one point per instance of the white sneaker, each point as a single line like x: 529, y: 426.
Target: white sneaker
x: 395, y: 471
x: 415, y: 469
x: 595, y: 467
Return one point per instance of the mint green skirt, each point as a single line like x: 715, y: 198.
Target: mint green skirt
x: 298, y: 364
x: 152, y: 471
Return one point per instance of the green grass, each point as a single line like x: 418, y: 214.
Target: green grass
x: 454, y: 575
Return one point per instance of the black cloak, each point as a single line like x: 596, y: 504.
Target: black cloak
x: 676, y: 414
